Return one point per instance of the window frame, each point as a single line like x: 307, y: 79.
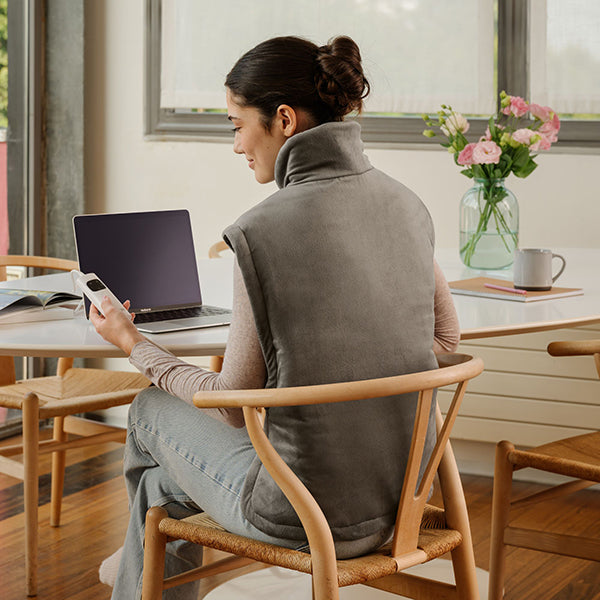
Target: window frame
x: 24, y: 135
x: 384, y: 132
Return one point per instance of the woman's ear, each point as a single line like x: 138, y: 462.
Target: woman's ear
x: 286, y: 120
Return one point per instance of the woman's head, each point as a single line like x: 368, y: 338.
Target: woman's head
x: 286, y: 85
x: 327, y: 81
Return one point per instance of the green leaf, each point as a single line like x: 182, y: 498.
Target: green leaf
x: 468, y: 173
x: 506, y: 162
x: 526, y: 170
x: 520, y: 158
x: 478, y: 172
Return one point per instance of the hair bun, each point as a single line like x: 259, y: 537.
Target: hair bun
x: 339, y: 77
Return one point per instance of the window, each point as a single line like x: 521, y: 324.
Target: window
x: 565, y: 56
x: 3, y: 125
x: 447, y: 55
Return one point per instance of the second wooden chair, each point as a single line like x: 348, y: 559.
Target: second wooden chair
x: 62, y: 398
x: 576, y: 457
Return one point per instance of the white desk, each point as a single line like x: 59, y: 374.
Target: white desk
x: 77, y: 337
x: 479, y: 317
x: 485, y: 317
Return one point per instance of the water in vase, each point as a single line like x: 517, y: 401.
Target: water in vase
x: 491, y: 251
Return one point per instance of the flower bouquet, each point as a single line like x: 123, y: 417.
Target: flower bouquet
x: 508, y: 146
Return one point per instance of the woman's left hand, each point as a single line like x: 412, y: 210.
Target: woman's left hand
x: 114, y: 325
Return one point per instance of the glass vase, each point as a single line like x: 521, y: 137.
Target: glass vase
x: 489, y: 225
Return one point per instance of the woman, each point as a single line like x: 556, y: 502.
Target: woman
x: 334, y: 280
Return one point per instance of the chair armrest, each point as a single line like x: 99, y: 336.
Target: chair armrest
x: 460, y: 366
x: 574, y: 348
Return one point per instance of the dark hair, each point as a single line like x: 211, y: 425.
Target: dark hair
x: 327, y: 81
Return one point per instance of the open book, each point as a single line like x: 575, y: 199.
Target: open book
x: 477, y: 287
x: 18, y: 306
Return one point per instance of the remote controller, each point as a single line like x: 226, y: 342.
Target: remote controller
x: 91, y: 285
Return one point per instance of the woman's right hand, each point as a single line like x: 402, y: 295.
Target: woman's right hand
x: 114, y: 325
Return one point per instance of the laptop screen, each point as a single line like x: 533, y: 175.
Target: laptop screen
x: 146, y: 257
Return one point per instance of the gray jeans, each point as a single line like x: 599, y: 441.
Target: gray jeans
x: 181, y: 459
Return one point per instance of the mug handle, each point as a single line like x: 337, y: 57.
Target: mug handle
x: 562, y: 268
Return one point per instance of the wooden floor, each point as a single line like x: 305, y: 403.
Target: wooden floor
x: 70, y: 555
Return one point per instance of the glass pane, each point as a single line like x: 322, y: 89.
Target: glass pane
x: 417, y: 54
x: 566, y: 57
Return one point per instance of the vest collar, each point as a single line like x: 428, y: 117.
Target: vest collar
x: 324, y: 152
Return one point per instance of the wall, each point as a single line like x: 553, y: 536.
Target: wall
x: 559, y: 202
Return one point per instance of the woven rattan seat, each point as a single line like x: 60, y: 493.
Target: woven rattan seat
x: 421, y: 533
x: 434, y: 539
x: 573, y: 457
x: 78, y: 390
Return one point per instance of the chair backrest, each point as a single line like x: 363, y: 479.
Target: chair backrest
x: 42, y: 262
x: 577, y: 348
x: 453, y: 369
x: 7, y: 365
x: 215, y: 250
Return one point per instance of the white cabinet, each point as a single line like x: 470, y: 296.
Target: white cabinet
x: 525, y: 395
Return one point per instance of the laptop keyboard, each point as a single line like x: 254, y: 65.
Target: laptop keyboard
x: 180, y: 313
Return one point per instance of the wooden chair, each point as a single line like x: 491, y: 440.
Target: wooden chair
x: 577, y: 457
x: 217, y: 248
x: 216, y: 362
x: 60, y: 397
x: 422, y: 532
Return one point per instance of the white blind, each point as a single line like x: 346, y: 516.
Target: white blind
x: 417, y: 54
x: 565, y: 55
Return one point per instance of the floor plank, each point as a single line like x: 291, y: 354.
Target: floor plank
x: 95, y: 518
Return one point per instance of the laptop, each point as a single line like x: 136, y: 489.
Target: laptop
x: 148, y: 258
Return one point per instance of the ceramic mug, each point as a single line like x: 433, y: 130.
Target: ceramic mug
x: 533, y: 269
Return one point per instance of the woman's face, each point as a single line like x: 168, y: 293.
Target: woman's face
x: 259, y: 146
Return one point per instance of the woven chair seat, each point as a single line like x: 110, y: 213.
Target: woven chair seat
x: 434, y: 540
x: 91, y: 388
x: 574, y: 457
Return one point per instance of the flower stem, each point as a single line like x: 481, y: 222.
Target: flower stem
x: 489, y: 200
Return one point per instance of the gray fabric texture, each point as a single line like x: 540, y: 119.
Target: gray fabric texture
x: 338, y: 265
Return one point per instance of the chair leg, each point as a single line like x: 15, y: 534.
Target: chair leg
x: 323, y: 587
x: 457, y: 517
x: 58, y: 473
x: 503, y: 471
x: 58, y: 458
x: 31, y: 423
x: 154, y: 555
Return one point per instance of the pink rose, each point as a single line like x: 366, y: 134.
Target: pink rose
x: 485, y: 153
x: 539, y: 143
x: 523, y: 136
x: 549, y: 132
x: 517, y: 107
x: 553, y: 124
x: 465, y: 157
x: 543, y: 113
x: 487, y: 136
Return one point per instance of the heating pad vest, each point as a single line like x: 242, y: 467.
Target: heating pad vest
x: 338, y: 265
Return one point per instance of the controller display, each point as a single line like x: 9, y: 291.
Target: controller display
x: 95, y: 290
